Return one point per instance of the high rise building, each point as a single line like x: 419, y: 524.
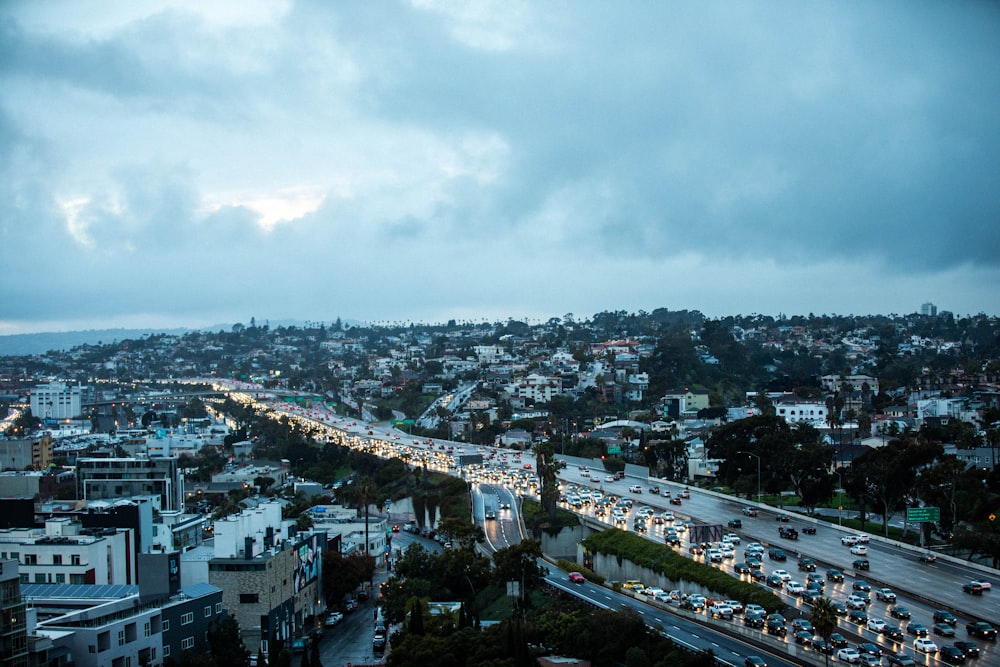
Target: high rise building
x: 928, y: 309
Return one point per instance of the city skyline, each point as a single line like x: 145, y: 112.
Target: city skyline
x: 176, y: 164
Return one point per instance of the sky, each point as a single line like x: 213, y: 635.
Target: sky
x: 185, y: 164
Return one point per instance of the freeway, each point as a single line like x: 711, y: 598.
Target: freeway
x: 728, y: 650
x: 921, y: 587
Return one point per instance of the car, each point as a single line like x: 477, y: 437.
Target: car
x: 655, y: 490
x: 900, y: 612
x: 576, y: 577
x: 754, y: 661
x: 849, y: 655
x: 775, y: 553
x: 855, y: 602
x: 378, y: 644
x: 925, y: 645
x: 835, y: 576
x: 735, y: 604
x: 981, y: 629
x: 849, y: 540
x: 672, y: 539
x: 785, y: 576
x: 927, y: 557
x: 758, y: 575
x: 816, y: 578
x: 809, y: 530
x: 822, y: 646
x: 775, y: 627
x: 951, y: 655
x: 784, y: 518
x: 806, y: 565
x: 802, y: 637
x: 944, y: 616
x: 755, y: 609
x: 491, y: 515
x: 788, y: 533
x: 870, y: 649
x: 802, y: 624
x: 721, y: 610
x: 885, y: 594
x: 741, y: 568
x: 859, y: 550
x: 869, y: 660
x: 505, y: 506
x: 900, y: 660
x: 943, y: 630
x: 749, y: 511
x: 735, y: 523
x: 970, y: 649
x: 754, y: 563
x: 300, y: 644
x: 861, y: 564
x: 685, y: 494
x: 861, y: 585
x: 857, y: 616
x: 635, y: 488
x: 633, y: 585
x: 916, y: 629
x: 893, y: 633
x: 973, y: 588
x: 985, y: 585
x: 774, y: 581
x: 794, y: 588
x: 753, y: 621
x: 695, y: 549
x: 838, y: 640
x: 333, y: 619
x: 876, y: 625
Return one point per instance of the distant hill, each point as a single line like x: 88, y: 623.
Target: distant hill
x: 39, y: 343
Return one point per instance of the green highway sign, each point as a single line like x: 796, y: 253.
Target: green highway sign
x: 403, y: 422
x: 614, y: 449
x: 919, y: 514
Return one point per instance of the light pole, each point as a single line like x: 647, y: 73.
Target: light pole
x: 758, y: 471
x: 840, y: 498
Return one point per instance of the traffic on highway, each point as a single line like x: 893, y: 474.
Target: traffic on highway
x: 895, y: 605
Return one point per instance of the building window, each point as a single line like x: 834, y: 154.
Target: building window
x: 74, y: 559
x: 166, y: 650
x: 39, y: 577
x: 187, y: 643
x: 218, y: 607
x: 208, y: 611
x: 60, y: 578
x: 145, y: 629
x: 187, y: 618
x: 121, y: 638
x: 249, y: 598
x: 166, y: 625
x: 57, y: 559
x: 31, y: 559
x: 77, y: 579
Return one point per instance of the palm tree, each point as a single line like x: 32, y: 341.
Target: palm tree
x: 824, y: 620
x: 366, y: 493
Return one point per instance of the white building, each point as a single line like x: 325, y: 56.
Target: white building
x: 56, y: 400
x: 795, y: 410
x: 537, y: 388
x: 65, y: 553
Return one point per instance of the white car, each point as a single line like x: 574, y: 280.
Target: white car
x: 721, y: 610
x: 983, y: 584
x: 783, y: 574
x: 755, y: 609
x: 848, y: 654
x: 794, y: 588
x: 727, y: 551
x: 876, y: 624
x: 713, y: 556
x: 736, y: 605
x: 854, y: 602
x: 925, y: 645
x: 859, y: 550
x: 732, y: 538
x: 849, y: 540
x: 652, y: 591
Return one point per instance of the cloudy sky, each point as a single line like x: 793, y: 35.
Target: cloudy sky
x: 196, y: 163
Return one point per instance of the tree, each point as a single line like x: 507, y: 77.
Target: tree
x: 226, y: 645
x: 824, y: 619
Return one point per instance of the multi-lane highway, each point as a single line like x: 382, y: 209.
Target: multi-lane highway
x: 506, y: 475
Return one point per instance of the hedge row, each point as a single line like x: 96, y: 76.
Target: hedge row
x: 587, y: 573
x: 665, y: 561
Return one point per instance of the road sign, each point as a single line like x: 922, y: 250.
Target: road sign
x: 919, y: 514
x: 403, y: 422
x: 614, y: 449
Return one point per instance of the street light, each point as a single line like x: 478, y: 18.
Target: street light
x: 758, y: 471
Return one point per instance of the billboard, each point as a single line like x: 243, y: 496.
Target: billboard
x: 309, y: 556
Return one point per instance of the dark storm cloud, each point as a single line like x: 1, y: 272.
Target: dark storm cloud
x: 492, y: 150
